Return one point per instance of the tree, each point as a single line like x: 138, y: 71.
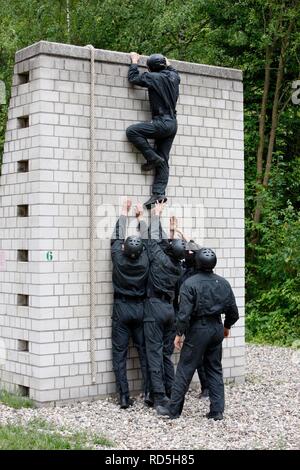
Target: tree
x: 280, y: 21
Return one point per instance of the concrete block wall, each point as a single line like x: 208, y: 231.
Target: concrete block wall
x: 48, y: 127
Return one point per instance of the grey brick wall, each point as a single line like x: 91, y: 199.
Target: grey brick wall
x: 206, y: 171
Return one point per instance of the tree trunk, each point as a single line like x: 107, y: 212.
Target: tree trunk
x: 262, y: 117
x: 262, y: 125
x: 68, y: 20
x: 275, y: 112
x: 275, y: 106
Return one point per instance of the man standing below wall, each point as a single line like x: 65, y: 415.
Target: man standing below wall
x: 189, y: 269
x: 165, y: 269
x: 162, y: 82
x: 203, y: 298
x: 129, y: 276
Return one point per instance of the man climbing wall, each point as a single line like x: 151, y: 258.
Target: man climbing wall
x: 162, y: 82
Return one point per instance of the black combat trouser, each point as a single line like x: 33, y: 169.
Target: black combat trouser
x: 202, y: 377
x: 163, y: 130
x: 203, y: 342
x: 200, y: 369
x: 127, y: 321
x: 159, y: 336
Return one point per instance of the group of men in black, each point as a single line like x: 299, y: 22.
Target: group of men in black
x: 166, y: 294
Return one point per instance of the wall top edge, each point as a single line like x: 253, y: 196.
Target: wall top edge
x: 101, y: 55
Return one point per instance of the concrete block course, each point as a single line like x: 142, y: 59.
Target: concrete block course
x: 206, y: 172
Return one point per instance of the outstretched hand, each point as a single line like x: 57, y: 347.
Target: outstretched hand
x: 135, y: 57
x: 126, y: 206
x: 174, y: 229
x: 173, y: 223
x: 173, y: 226
x: 139, y: 210
x: 158, y: 208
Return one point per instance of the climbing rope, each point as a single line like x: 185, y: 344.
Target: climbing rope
x: 92, y: 217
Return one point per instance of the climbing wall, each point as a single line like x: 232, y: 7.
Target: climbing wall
x: 45, y: 277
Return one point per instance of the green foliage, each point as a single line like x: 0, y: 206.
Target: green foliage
x: 15, y: 401
x: 267, y: 322
x: 273, y: 278
x: 296, y: 344
x: 40, y: 435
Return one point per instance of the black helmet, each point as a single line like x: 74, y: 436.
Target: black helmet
x: 177, y: 248
x: 206, y: 259
x: 133, y: 247
x: 156, y: 62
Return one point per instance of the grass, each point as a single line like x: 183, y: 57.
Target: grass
x: 102, y: 441
x: 40, y: 435
x: 15, y: 401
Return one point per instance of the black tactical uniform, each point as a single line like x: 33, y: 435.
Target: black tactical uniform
x: 129, y: 279
x: 163, y: 88
x: 159, y: 312
x: 189, y: 271
x: 203, y: 298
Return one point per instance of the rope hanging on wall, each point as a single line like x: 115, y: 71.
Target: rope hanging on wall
x: 92, y: 216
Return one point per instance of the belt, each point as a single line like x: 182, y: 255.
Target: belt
x: 129, y: 298
x: 162, y: 296
x: 206, y: 318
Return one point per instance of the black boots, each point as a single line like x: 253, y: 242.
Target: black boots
x: 153, y: 199
x: 160, y: 399
x: 217, y: 416
x: 148, y: 399
x: 125, y: 402
x: 204, y: 395
x: 165, y: 411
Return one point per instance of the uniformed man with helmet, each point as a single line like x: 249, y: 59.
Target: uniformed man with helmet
x: 203, y: 298
x: 189, y: 269
x: 129, y: 277
x: 165, y: 257
x: 162, y: 82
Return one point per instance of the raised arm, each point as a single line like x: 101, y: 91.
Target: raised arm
x: 119, y: 233
x: 156, y: 232
x: 119, y: 230
x: 173, y: 226
x: 175, y: 230
x: 134, y: 76
x: 143, y: 227
x: 170, y: 67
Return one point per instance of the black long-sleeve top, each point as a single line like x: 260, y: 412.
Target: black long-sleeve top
x: 129, y: 276
x: 164, y: 270
x: 163, y: 88
x: 205, y: 294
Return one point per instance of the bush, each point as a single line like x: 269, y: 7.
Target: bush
x: 273, y: 279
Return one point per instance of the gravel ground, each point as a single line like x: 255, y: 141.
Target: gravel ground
x: 262, y: 413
